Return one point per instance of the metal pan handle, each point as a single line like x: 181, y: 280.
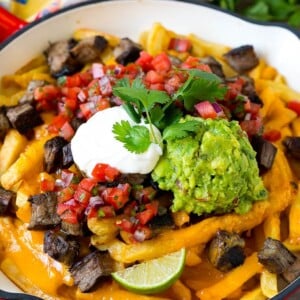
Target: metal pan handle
x: 9, y: 24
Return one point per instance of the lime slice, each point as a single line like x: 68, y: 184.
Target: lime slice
x: 154, y: 275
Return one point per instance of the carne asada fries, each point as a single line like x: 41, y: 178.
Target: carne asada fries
x: 63, y: 212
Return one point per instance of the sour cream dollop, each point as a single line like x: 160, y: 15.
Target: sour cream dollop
x: 94, y: 142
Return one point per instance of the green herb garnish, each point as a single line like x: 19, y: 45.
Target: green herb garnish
x: 136, y: 138
x: 200, y: 86
x: 181, y: 130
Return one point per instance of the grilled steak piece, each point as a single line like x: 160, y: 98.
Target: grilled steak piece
x: 71, y: 229
x: 76, y: 122
x: 43, y: 211
x: 61, y: 247
x: 265, y: 152
x: 214, y: 65
x: 6, y: 198
x: 292, y: 271
x: 292, y: 145
x: 226, y: 251
x: 23, y: 117
x: 89, y: 49
x: 67, y: 157
x: 90, y: 269
x: 242, y: 59
x: 275, y: 256
x: 127, y: 51
x: 53, y: 153
x: 29, y: 94
x: 4, y: 123
x: 60, y: 60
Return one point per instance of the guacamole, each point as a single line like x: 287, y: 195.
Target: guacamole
x: 212, y: 170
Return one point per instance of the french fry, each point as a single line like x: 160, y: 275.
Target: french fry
x: 294, y: 220
x: 178, y: 291
x: 268, y: 284
x: 204, y: 48
x: 158, y: 39
x: 255, y: 294
x: 30, y: 162
x: 14, y: 143
x: 232, y: 280
x: 105, y: 229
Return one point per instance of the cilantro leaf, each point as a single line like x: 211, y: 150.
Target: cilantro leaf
x: 136, y: 138
x: 198, y: 87
x: 181, y: 130
x: 138, y: 94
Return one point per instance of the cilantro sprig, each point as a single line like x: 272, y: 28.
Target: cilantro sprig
x: 160, y: 110
x: 200, y: 86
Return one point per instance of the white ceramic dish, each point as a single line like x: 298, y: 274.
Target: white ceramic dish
x: 278, y: 45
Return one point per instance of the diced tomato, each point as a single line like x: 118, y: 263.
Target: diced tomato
x: 252, y: 127
x: 117, y: 196
x: 47, y: 92
x: 150, y: 211
x: 234, y: 89
x: 66, y: 193
x: 66, y: 131
x: 295, y: 106
x: 88, y: 184
x: 194, y: 63
x: 87, y: 109
x: 180, y: 44
x: 66, y: 214
x: 106, y: 211
x: 71, y: 103
x: 154, y: 77
x: 126, y: 225
x: 206, y: 110
x: 252, y: 108
x: 161, y: 63
x: 172, y: 84
x: 47, y: 185
x: 104, y: 172
x: 94, y: 88
x: 82, y: 196
x: 71, y: 92
x: 157, y: 86
x: 76, y: 80
x: 145, y: 61
x: 56, y: 123
x: 272, y: 135
x: 144, y: 194
x: 102, y: 103
x: 130, y: 209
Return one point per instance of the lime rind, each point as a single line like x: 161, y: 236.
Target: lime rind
x: 152, y: 276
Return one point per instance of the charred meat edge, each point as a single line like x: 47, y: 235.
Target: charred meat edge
x: 275, y: 257
x: 43, y: 211
x: 23, y: 117
x: 6, y: 200
x: 127, y: 51
x: 226, y: 250
x: 61, y: 247
x: 242, y: 59
x: 90, y: 269
x: 53, y: 153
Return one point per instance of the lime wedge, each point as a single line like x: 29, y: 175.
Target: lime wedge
x: 154, y: 275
